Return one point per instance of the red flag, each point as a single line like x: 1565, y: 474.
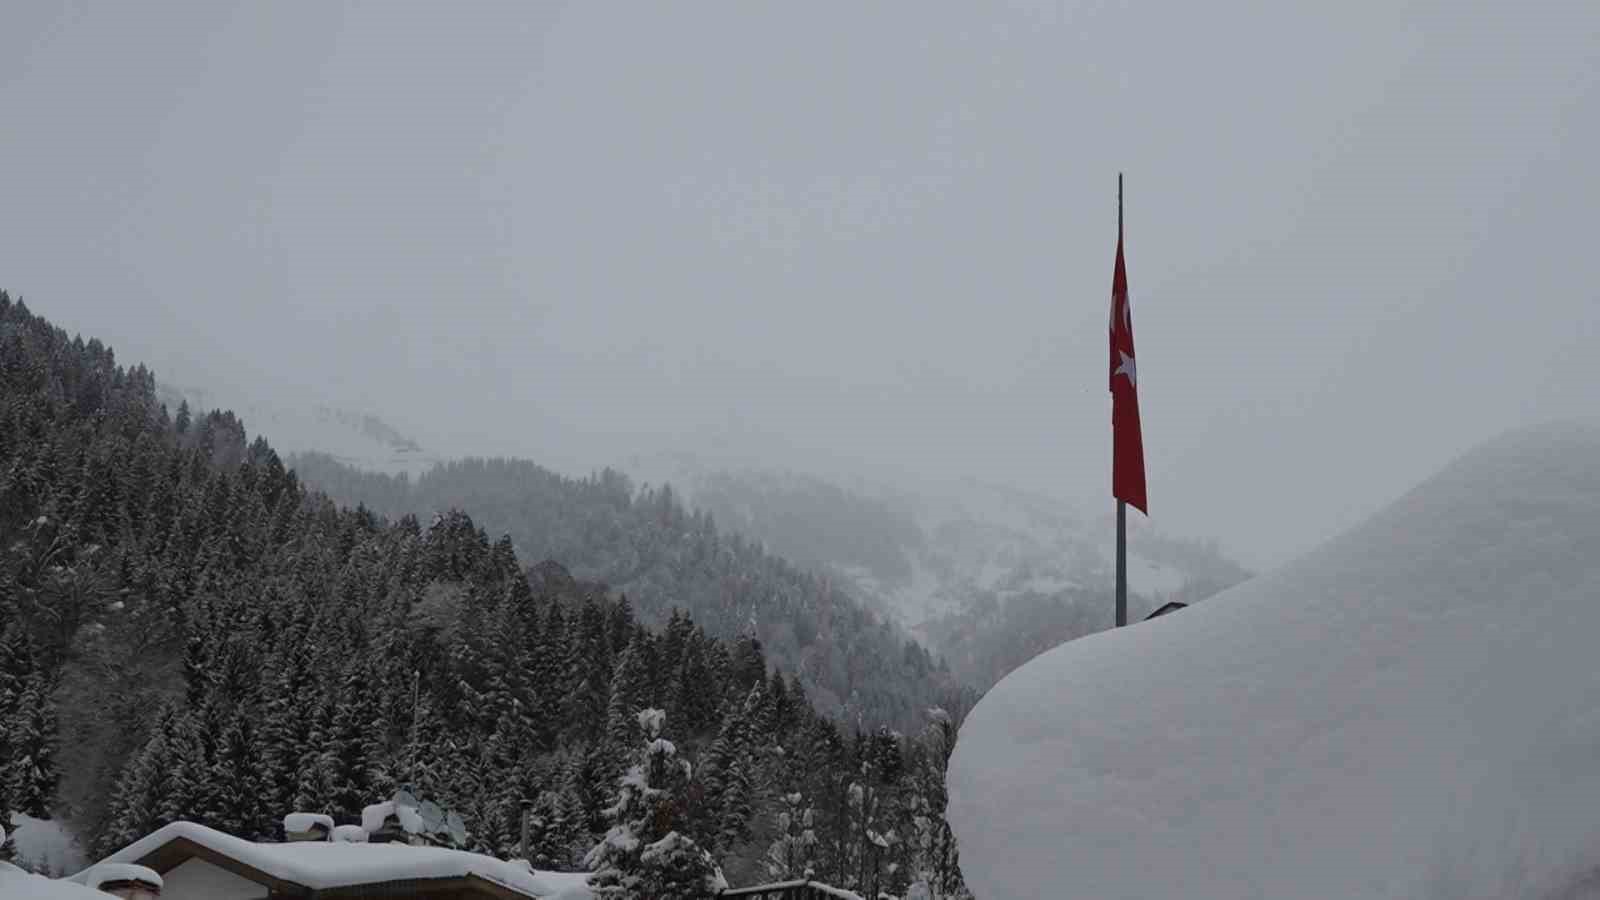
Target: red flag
x: 1127, y: 444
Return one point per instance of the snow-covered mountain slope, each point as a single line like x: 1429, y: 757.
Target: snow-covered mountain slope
x: 357, y: 439
x: 964, y: 564
x: 1412, y: 710
x: 926, y: 549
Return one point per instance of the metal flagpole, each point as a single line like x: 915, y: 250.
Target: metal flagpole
x: 1122, y: 505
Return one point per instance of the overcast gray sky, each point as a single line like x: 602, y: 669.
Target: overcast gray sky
x: 1361, y: 236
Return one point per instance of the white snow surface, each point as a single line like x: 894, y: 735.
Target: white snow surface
x: 18, y: 884
x: 411, y: 820
x: 350, y: 834
x: 45, y: 845
x: 304, y: 821
x: 108, y: 873
x: 373, y: 817
x: 321, y: 865
x: 1412, y: 710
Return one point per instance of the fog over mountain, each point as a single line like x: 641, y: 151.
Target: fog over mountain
x: 838, y: 239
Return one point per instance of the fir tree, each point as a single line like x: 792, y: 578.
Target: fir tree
x: 644, y: 853
x: 136, y: 806
x: 729, y: 783
x: 546, y: 849
x: 17, y: 675
x: 629, y: 687
x: 349, y: 753
x: 189, y: 782
x: 235, y: 799
x: 790, y: 856
x: 31, y: 739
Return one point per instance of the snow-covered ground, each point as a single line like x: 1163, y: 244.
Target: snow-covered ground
x: 17, y: 884
x: 45, y: 845
x: 1413, y: 710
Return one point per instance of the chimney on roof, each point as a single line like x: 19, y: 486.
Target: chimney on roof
x: 129, y: 882
x: 527, y: 810
x: 133, y: 889
x: 300, y: 826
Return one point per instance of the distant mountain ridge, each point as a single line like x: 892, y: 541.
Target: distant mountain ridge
x: 359, y: 439
x: 857, y: 664
x: 985, y: 574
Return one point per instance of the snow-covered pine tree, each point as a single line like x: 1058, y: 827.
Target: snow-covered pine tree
x: 549, y: 676
x: 16, y: 674
x: 729, y: 776
x: 31, y: 777
x: 619, y: 624
x: 136, y: 804
x: 696, y: 704
x: 285, y: 725
x: 545, y: 850
x: 645, y: 853
x: 351, y: 761
x: 629, y: 685
x: 566, y: 815
x: 313, y: 781
x: 16, y: 665
x: 589, y: 665
x: 418, y: 766
x: 792, y: 853
x: 510, y: 761
x: 235, y: 799
x: 190, y: 771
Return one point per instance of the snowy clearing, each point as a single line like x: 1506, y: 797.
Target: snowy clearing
x: 45, y: 845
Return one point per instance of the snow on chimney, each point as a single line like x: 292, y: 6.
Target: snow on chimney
x: 126, y: 881
x: 302, y: 826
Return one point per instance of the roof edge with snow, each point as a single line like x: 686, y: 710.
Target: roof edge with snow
x: 323, y: 868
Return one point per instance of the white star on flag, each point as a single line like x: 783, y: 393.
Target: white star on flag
x: 1128, y: 368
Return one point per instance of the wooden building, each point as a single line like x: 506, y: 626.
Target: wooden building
x: 200, y: 863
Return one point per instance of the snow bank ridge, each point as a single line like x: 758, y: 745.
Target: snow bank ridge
x: 1412, y: 710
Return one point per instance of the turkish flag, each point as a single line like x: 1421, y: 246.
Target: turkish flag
x: 1127, y: 444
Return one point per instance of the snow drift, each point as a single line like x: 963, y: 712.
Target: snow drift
x: 1413, y: 710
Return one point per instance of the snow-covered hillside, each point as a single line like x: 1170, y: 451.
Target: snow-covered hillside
x: 984, y: 574
x: 1413, y: 710
x: 357, y: 439
x: 935, y: 547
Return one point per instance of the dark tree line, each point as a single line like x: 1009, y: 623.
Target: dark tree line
x: 856, y: 665
x: 187, y: 632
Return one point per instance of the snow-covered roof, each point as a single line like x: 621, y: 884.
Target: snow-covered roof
x: 14, y: 882
x: 323, y: 865
x: 1413, y: 710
